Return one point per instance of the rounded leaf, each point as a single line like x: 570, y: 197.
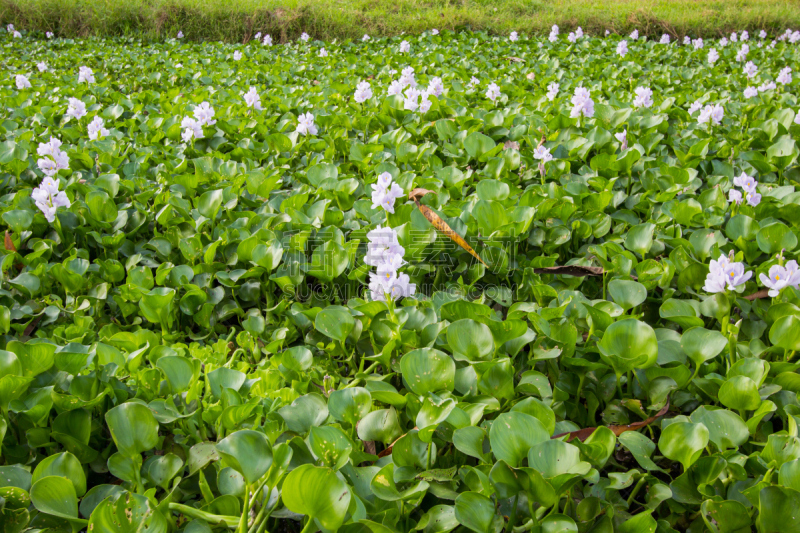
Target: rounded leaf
x: 317, y: 492
x: 248, y: 452
x: 133, y: 428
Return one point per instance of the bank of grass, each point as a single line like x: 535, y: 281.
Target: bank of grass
x: 238, y: 20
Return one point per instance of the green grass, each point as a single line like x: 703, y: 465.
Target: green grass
x: 238, y: 20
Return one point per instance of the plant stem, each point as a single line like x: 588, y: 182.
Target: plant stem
x: 636, y: 490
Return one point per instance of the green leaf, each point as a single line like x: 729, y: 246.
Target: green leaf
x: 475, y: 512
x: 335, y: 322
x: 318, y: 493
x: 248, y: 452
x: 133, y: 428
x: 55, y: 496
x: 683, y: 442
x: 513, y: 434
x: 428, y: 370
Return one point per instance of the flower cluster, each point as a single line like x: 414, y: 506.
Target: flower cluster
x: 267, y: 40
x: 385, y: 192
x: 96, y: 129
x: 748, y: 185
x: 252, y: 99
x: 697, y: 43
x: 623, y: 139
x: 22, y: 82
x: 385, y: 253
x: 741, y: 55
x: 76, y: 109
x: 582, y: 103
x: 710, y: 113
x: 664, y: 39
x: 237, y: 55
x: 713, y: 55
x: 193, y: 127
x: 493, y: 92
x: 750, y: 92
x: 622, y: 48
x: 305, y: 37
x: 48, y: 198
x: 415, y: 100
x: 750, y: 69
x: 781, y: 277
x: 552, y: 91
x: 634, y: 35
x: 553, y: 34
x: 724, y: 274
x: 363, y: 92
x: 305, y: 124
x: 405, y: 47
x: 644, y: 97
x: 85, y: 74
x: 53, y: 158
x: 785, y: 76
x: 513, y: 37
x: 42, y: 66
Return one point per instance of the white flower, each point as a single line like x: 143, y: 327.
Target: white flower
x: 405, y: 46
x: 623, y: 139
x: 797, y: 117
x: 96, y: 129
x: 410, y: 101
x: 42, y: 66
x: 553, y: 37
x: 305, y: 37
x: 252, y: 99
x: 748, y: 183
x: 770, y: 85
x: 436, y: 87
x: 474, y: 81
x: 750, y: 69
x: 608, y: 32
x: 257, y: 36
x: 383, y: 245
x: 622, y: 48
x: 493, y: 92
x: 85, y: 74
x: 745, y: 36
x: 687, y: 40
x: 722, y: 275
x: 363, y: 92
x: 723, y: 42
x: 785, y: 76
x: 22, y: 82
x: 554, y: 29
x: 180, y: 34
x: 204, y: 114
x: 762, y: 34
x: 542, y: 154
x: 192, y: 129
x: 49, y: 34
x: 582, y: 103
x: 407, y: 78
x: 552, y: 91
x: 635, y: 34
x: 572, y: 37
x: 323, y: 52
x: 76, y: 109
x: 58, y: 159
x: 741, y: 55
x: 10, y: 28
x: 664, y: 39
x: 385, y: 194
x: 695, y: 106
x: 267, y: 40
x: 795, y: 37
x: 237, y: 55
x: 579, y: 32
x: 513, y: 37
x: 305, y: 125
x: 396, y: 87
x: 711, y: 113
x: 734, y: 38
x: 365, y: 38
x: 713, y: 56
x: 735, y: 197
x: 644, y: 97
x: 750, y: 92
x: 385, y: 253
x: 753, y: 198
x: 48, y: 198
x: 697, y: 43
x: 17, y: 35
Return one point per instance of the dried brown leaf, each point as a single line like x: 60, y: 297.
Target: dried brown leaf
x: 763, y: 293
x: 418, y: 193
x: 571, y: 270
x: 442, y: 227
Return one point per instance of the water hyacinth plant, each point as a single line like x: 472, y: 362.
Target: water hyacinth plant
x: 452, y: 281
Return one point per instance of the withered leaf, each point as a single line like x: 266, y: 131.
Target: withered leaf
x: 583, y: 434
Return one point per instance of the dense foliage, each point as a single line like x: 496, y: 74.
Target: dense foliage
x: 198, y: 336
